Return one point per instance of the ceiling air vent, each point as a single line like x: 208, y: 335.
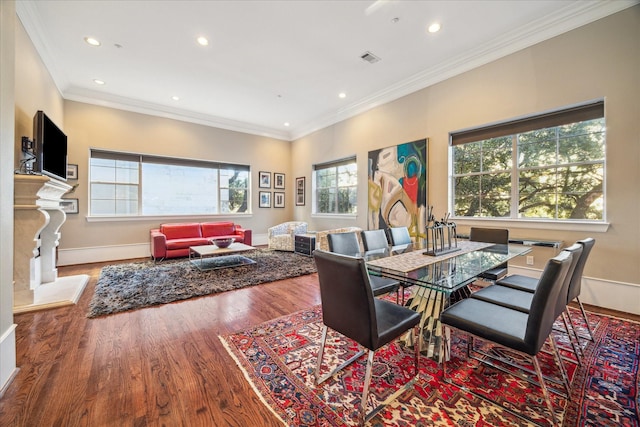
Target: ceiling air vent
x: 369, y: 57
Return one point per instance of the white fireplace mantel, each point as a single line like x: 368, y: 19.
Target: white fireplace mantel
x: 38, y: 218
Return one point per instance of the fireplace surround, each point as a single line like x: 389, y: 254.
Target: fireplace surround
x: 38, y: 218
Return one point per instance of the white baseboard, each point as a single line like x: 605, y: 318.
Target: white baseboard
x: 8, y: 368
x: 259, y: 239
x: 619, y: 296
x: 103, y: 253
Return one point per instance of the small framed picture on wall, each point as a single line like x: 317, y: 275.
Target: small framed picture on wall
x: 264, y: 179
x: 300, y: 191
x: 69, y: 206
x: 72, y: 171
x: 265, y: 199
x: 278, y: 180
x: 278, y: 201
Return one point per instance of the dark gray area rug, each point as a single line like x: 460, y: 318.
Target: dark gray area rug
x: 130, y: 286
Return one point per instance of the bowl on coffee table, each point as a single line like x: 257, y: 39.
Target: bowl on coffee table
x: 223, y: 242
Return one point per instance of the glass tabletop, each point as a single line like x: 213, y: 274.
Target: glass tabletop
x: 446, y: 273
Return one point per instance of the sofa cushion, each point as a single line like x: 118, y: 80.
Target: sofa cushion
x: 186, y: 243
x: 181, y: 230
x: 216, y: 229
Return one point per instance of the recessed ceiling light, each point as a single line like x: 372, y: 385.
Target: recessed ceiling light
x: 434, y: 28
x: 287, y: 124
x: 202, y: 41
x: 98, y: 81
x: 92, y: 41
x: 342, y: 95
x: 175, y: 98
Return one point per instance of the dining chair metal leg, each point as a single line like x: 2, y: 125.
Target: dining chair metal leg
x: 321, y: 379
x: 575, y: 325
x: 570, y: 332
x: 408, y: 385
x: 545, y: 392
x: 323, y: 340
x: 573, y: 338
x: 563, y: 370
x: 586, y: 321
x: 365, y: 390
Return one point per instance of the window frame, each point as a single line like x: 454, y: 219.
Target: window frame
x: 334, y: 164
x: 141, y: 159
x: 512, y: 129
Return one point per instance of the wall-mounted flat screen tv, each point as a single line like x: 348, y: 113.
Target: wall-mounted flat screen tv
x: 50, y: 147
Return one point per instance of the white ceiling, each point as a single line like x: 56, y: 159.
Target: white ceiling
x: 271, y: 62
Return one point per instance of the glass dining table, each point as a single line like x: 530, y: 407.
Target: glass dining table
x: 436, y: 282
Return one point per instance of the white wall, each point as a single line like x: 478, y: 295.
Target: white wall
x: 7, y: 144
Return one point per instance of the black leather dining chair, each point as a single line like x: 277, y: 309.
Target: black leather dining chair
x: 576, y: 283
x: 521, y: 300
x: 491, y: 235
x: 347, y: 244
x: 529, y: 284
x: 344, y: 243
x: 521, y: 332
x: 399, y: 236
x: 374, y: 240
x: 349, y: 308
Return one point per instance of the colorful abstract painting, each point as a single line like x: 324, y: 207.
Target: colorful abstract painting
x: 398, y: 187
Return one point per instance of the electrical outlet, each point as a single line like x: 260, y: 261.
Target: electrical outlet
x: 529, y: 259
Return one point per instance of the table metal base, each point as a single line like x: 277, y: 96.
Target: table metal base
x: 431, y: 302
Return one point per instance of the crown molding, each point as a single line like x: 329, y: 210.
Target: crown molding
x: 28, y: 15
x: 136, y: 106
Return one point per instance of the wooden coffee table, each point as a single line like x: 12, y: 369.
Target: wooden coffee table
x: 211, y: 257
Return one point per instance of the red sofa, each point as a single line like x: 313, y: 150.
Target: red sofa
x: 173, y: 240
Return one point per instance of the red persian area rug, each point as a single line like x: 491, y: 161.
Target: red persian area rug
x: 278, y: 358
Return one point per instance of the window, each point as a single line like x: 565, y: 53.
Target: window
x: 132, y: 184
x: 336, y: 187
x: 548, y: 167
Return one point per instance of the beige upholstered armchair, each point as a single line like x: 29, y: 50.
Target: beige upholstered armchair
x: 280, y: 237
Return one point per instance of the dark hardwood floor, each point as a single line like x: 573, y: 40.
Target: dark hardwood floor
x: 159, y: 366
